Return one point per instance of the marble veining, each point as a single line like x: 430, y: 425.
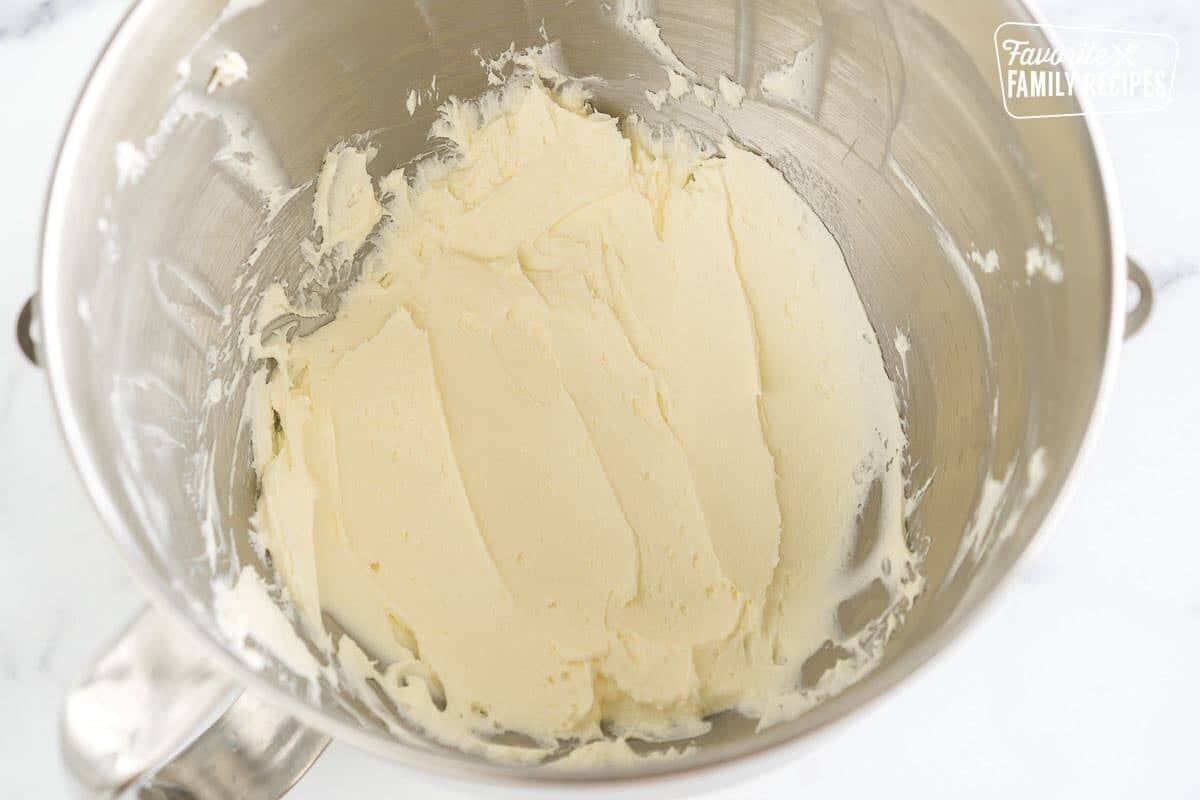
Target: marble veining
x: 23, y: 17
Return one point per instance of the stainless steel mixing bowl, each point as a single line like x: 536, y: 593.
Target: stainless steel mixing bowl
x: 905, y: 150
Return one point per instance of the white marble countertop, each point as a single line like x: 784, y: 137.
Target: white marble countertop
x: 1110, y: 706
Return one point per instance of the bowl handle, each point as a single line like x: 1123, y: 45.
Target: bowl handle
x: 153, y: 718
x: 1139, y: 312
x: 26, y: 329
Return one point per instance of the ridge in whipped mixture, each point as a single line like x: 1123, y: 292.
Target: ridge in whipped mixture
x: 585, y: 447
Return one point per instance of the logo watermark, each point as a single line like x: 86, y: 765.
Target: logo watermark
x: 1112, y: 71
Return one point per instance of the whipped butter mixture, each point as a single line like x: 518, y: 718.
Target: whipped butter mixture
x: 589, y: 438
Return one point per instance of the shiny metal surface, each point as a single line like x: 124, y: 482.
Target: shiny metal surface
x: 137, y: 704
x: 253, y: 752
x: 907, y: 155
x: 139, y: 723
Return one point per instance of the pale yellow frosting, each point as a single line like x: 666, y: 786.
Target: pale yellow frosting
x: 586, y: 440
